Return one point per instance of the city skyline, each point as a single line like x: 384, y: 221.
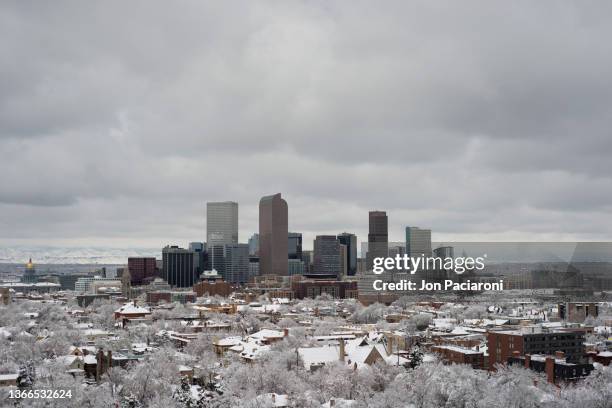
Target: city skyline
x: 502, y: 136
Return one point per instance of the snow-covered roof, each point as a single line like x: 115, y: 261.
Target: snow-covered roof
x: 318, y: 355
x: 267, y: 334
x: 130, y: 308
x: 228, y: 341
x: 251, y: 351
x: 460, y: 331
x: 89, y: 359
x: 356, y: 352
x: 274, y: 400
x: 459, y: 349
x: 8, y: 377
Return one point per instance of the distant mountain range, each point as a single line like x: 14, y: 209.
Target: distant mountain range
x: 80, y: 255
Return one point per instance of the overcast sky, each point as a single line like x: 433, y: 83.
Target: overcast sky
x: 118, y: 121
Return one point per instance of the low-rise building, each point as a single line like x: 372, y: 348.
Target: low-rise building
x: 556, y: 367
x: 131, y: 311
x: 534, y: 340
x: 460, y: 355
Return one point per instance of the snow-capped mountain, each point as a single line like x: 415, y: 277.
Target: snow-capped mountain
x: 74, y: 255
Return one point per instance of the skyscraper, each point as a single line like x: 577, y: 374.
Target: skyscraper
x: 236, y: 263
x: 221, y: 223
x: 343, y: 260
x: 254, y: 245
x: 444, y: 252
x: 273, y: 235
x: 295, y: 245
x: 378, y: 237
x: 350, y: 240
x: 307, y: 259
x: 327, y: 262
x: 178, y: 267
x: 216, y: 258
x: 200, y: 257
x: 418, y: 242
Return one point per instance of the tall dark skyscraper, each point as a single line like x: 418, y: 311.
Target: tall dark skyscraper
x: 350, y: 241
x: 200, y: 257
x: 178, y: 266
x: 327, y: 262
x: 378, y: 237
x: 295, y: 245
x: 273, y: 235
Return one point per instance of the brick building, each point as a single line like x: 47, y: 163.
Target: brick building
x: 533, y: 340
x: 142, y: 269
x: 556, y: 367
x: 313, y: 288
x: 169, y: 296
x: 577, y: 312
x: 213, y: 288
x: 460, y: 355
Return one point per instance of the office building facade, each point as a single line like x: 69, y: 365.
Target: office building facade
x: 273, y: 235
x: 378, y: 237
x: 221, y: 223
x: 418, y: 242
x: 141, y: 269
x: 350, y: 241
x: 236, y: 263
x: 326, y: 258
x: 178, y: 267
x: 254, y: 245
x: 294, y: 244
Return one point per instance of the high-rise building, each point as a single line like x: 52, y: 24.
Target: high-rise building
x: 444, y: 252
x: 200, y: 257
x: 395, y: 250
x: 236, y: 263
x: 141, y: 269
x: 221, y: 223
x: 197, y: 246
x: 296, y: 267
x: 326, y: 260
x: 273, y: 235
x: 418, y: 242
x: 307, y: 259
x: 295, y: 245
x: 178, y: 267
x: 343, y: 260
x: 350, y: 241
x: 254, y: 245
x: 253, y: 267
x: 378, y: 237
x: 216, y: 258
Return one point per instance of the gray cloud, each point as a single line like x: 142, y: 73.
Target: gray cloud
x: 480, y: 120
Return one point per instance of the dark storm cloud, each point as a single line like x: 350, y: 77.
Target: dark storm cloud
x: 119, y: 120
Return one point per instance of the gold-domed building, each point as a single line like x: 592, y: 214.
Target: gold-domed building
x: 29, y: 276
